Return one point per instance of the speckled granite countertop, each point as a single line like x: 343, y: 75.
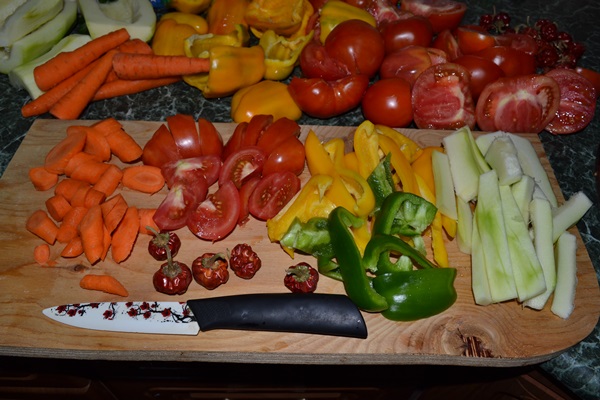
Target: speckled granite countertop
x: 572, y: 157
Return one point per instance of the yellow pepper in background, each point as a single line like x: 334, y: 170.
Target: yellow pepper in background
x: 195, y: 21
x: 200, y: 45
x: 335, y: 12
x: 224, y: 15
x: 190, y: 6
x: 265, y: 97
x: 284, y: 17
x: 231, y: 68
x: 409, y: 147
x: 366, y: 147
x: 170, y: 36
x: 281, y: 54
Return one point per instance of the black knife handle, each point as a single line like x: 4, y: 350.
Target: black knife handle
x: 323, y: 314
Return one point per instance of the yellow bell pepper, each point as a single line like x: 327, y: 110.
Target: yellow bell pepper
x: 231, y: 68
x: 360, y: 190
x: 265, y: 97
x: 281, y: 54
x: 224, y: 16
x: 190, y: 6
x: 196, y: 21
x: 402, y: 168
x: 284, y: 17
x: 422, y: 166
x: 200, y: 45
x: 336, y: 149
x: 366, y: 147
x: 170, y: 36
x: 335, y: 12
x: 351, y: 161
x: 408, y: 146
x: 440, y: 253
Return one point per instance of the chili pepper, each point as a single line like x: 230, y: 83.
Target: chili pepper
x: 284, y: 17
x: 157, y: 246
x: 210, y: 270
x: 264, y: 98
x: 170, y: 36
x: 224, y: 15
x: 301, y: 278
x: 173, y: 277
x: 244, y: 261
x: 357, y: 283
x: 335, y: 12
x: 281, y: 53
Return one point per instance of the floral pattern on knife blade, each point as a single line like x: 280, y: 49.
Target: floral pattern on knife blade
x: 144, y: 309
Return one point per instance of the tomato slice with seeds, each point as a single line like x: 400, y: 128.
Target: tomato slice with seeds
x: 173, y: 211
x: 441, y: 98
x: 272, y: 193
x: 443, y: 14
x: 242, y: 165
x: 217, y: 215
x: 520, y: 104
x: 186, y: 170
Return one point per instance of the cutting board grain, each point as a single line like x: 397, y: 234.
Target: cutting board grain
x: 466, y: 334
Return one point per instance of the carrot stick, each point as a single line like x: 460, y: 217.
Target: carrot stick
x: 147, y: 220
x: 143, y: 178
x: 58, y: 157
x: 96, y: 144
x: 68, y: 187
x: 46, y: 100
x: 123, y: 146
x: 93, y: 197
x: 40, y: 224
x: 125, y: 235
x: 114, y: 212
x: 109, y: 181
x: 58, y: 207
x: 91, y: 230
x: 72, y: 104
x: 41, y: 253
x: 42, y: 179
x: 89, y: 171
x: 103, y: 283
x: 76, y: 161
x: 152, y: 66
x: 65, y: 64
x: 74, y: 248
x: 69, y: 228
x: 123, y: 87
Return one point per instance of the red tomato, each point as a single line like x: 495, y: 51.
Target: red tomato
x: 242, y: 165
x: 235, y: 141
x: 245, y: 192
x: 173, y: 211
x: 482, y: 72
x: 185, y: 133
x: 217, y: 216
x: 256, y: 126
x: 160, y: 148
x: 187, y: 170
x: 518, y: 41
x: 446, y: 42
x: 400, y: 33
x: 577, y: 102
x: 356, y: 45
x: 590, y: 75
x: 316, y: 63
x: 518, y: 104
x: 441, y: 98
x: 277, y: 133
x: 408, y: 63
x: 388, y: 102
x: 325, y: 99
x: 443, y: 14
x: 512, y: 61
x: 472, y: 39
x: 272, y: 193
x: 210, y: 139
x: 289, y: 155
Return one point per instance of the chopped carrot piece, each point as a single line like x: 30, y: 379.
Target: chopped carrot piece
x: 69, y: 227
x: 143, y: 178
x: 59, y: 156
x: 147, y: 220
x: 39, y: 223
x: 113, y: 211
x: 103, y: 283
x: 91, y: 230
x: 89, y: 171
x: 58, y: 207
x: 42, y: 179
x: 74, y: 248
x: 68, y: 187
x: 125, y: 235
x: 41, y: 254
x: 110, y: 180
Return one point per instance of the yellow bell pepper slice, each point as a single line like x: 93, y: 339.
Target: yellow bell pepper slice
x: 360, y: 190
x: 402, y: 168
x: 336, y: 149
x: 195, y: 21
x: 264, y: 98
x: 422, y: 166
x: 409, y: 147
x: 335, y: 12
x: 440, y: 253
x: 366, y: 147
x: 351, y: 161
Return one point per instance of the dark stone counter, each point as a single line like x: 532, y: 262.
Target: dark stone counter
x: 572, y: 157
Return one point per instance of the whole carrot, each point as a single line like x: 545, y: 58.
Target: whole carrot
x: 122, y: 87
x: 151, y: 66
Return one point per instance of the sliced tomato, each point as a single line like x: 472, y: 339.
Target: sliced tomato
x: 185, y: 133
x: 290, y: 155
x: 590, y: 75
x: 471, y: 39
x: 160, y: 148
x: 446, y: 42
x: 242, y: 165
x: 210, y: 139
x: 512, y: 61
x: 256, y: 126
x: 272, y: 193
x: 216, y: 216
x: 443, y: 14
x: 277, y: 133
x: 245, y: 192
x: 577, y: 102
x: 520, y: 104
x: 173, y: 211
x: 482, y: 72
x: 234, y: 143
x: 441, y: 98
x: 187, y: 170
x: 518, y: 41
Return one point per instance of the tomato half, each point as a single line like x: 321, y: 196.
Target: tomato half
x: 316, y: 63
x: 590, y: 75
x: 512, y: 61
x: 216, y: 216
x: 185, y: 133
x: 408, y: 63
x: 441, y: 98
x: 173, y: 211
x: 519, y: 104
x: 289, y: 155
x: 443, y: 14
x: 414, y: 31
x: 472, y: 39
x: 482, y: 72
x: 272, y: 193
x: 446, y: 42
x: 577, y: 102
x: 242, y: 165
x: 187, y: 170
x: 160, y: 148
x: 388, y: 102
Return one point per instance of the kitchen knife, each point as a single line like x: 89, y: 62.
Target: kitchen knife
x: 323, y: 314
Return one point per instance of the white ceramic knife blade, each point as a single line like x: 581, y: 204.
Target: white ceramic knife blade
x: 324, y: 314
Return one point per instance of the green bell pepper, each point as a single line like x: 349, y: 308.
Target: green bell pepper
x: 381, y: 182
x: 404, y: 214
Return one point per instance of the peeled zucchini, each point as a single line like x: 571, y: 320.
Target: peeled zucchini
x: 137, y: 16
x: 27, y: 18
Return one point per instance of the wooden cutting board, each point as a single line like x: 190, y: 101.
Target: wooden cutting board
x: 497, y: 335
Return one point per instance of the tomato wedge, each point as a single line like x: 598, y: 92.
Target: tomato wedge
x: 235, y: 141
x: 173, y: 211
x: 185, y: 133
x: 272, y: 193
x: 277, y: 133
x: 443, y: 14
x: 217, y: 215
x: 519, y: 104
x: 245, y: 192
x: 210, y: 139
x: 256, y: 126
x: 160, y: 148
x: 441, y: 98
x: 577, y: 102
x: 242, y: 165
x: 290, y: 155
x: 186, y: 170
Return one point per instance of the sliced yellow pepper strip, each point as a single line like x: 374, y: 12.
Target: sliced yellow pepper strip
x: 351, y: 161
x: 366, y: 147
x: 422, y: 166
x: 359, y: 189
x: 440, y: 253
x: 336, y: 149
x: 450, y: 225
x: 361, y: 235
x: 402, y: 167
x: 409, y: 147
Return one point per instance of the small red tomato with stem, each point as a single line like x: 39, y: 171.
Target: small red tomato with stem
x: 173, y: 277
x: 301, y: 278
x: 210, y: 270
x: 157, y: 247
x: 244, y: 261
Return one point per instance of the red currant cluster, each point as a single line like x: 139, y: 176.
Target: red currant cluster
x: 555, y: 48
